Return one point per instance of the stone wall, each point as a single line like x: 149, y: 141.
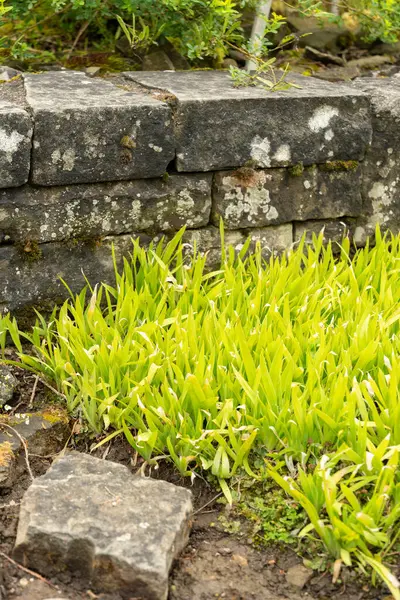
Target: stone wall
x: 86, y: 163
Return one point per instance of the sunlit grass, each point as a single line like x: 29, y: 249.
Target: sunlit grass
x: 297, y: 356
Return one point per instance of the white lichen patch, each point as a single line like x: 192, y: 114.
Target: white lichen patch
x: 260, y: 151
x: 359, y: 236
x: 382, y: 197
x: 9, y: 142
x: 307, y: 184
x: 136, y: 210
x: 55, y: 156
x: 250, y: 204
x: 329, y: 135
x: 155, y: 148
x: 322, y: 117
x: 379, y: 192
x: 184, y: 204
x: 68, y: 159
x: 283, y: 154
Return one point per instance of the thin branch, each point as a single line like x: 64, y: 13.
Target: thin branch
x: 78, y: 37
x: 33, y: 392
x: 53, y: 389
x: 33, y: 573
x: 207, y: 503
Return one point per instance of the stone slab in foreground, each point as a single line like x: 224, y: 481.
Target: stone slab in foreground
x: 90, y: 130
x: 15, y: 145
x: 219, y: 126
x: 117, y: 532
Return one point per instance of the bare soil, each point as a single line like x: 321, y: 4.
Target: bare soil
x: 215, y: 564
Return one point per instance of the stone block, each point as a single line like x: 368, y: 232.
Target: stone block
x: 47, y: 214
x: 381, y: 170
x: 15, y: 145
x: 333, y: 230
x: 273, y: 239
x: 218, y: 126
x: 88, y: 130
x: 258, y: 198
x: 116, y: 532
x: 8, y: 384
x: 31, y: 274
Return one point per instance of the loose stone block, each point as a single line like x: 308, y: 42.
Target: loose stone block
x: 381, y: 188
x: 15, y: 145
x: 219, y: 126
x: 257, y: 198
x: 95, y: 210
x: 117, y: 532
x: 90, y: 130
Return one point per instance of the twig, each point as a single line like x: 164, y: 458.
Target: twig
x: 10, y: 504
x: 78, y: 37
x: 15, y: 408
x: 207, y: 504
x: 14, y: 562
x: 33, y: 391
x: 23, y: 442
x: 52, y: 388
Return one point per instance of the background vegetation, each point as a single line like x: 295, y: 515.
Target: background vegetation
x: 200, y: 30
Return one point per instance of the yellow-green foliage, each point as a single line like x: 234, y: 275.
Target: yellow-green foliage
x: 297, y: 357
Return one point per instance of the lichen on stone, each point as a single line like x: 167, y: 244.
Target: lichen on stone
x: 340, y: 165
x: 128, y: 142
x: 297, y: 170
x: 30, y: 250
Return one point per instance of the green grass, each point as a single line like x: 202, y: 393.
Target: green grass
x: 294, y: 360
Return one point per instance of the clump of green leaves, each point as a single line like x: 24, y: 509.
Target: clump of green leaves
x: 294, y: 359
x: 275, y: 517
x: 373, y: 19
x: 197, y: 28
x: 265, y: 76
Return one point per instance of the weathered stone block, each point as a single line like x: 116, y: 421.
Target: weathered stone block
x: 15, y: 145
x: 333, y: 230
x: 273, y: 239
x: 219, y: 126
x: 8, y: 384
x: 90, y: 130
x: 381, y: 188
x: 48, y: 214
x: 250, y: 198
x: 30, y: 274
x: 118, y: 532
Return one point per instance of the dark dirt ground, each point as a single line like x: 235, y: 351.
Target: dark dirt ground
x: 215, y: 564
